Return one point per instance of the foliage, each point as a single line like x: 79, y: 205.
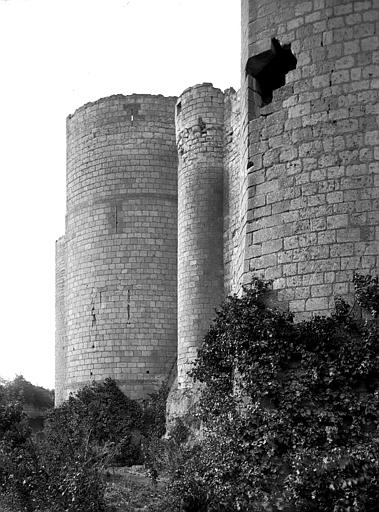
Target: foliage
x: 17, y: 460
x: 367, y: 293
x: 130, y: 492
x: 290, y: 411
x: 289, y: 422
x: 64, y: 470
x: 103, y: 414
x: 23, y: 391
x: 60, y: 473
x: 154, y: 427
x: 154, y: 412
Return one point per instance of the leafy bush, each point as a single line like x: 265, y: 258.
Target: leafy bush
x: 290, y: 411
x: 153, y: 428
x: 17, y: 457
x: 367, y: 293
x: 104, y: 415
x: 64, y: 471
x: 289, y: 415
x: 23, y: 391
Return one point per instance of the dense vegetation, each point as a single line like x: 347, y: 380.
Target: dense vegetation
x: 65, y: 469
x: 288, y: 412
x: 24, y: 392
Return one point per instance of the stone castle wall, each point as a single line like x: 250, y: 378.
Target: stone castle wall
x: 288, y: 191
x: 60, y: 321
x: 120, y: 244
x: 233, y: 181
x: 312, y: 189
x: 200, y: 128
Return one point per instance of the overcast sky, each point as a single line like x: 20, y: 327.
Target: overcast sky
x: 56, y: 55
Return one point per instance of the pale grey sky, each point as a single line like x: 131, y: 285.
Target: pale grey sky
x: 56, y: 55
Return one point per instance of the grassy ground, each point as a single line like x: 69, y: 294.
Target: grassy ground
x: 131, y: 490
x: 128, y: 490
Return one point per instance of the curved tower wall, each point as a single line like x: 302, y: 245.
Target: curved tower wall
x: 288, y: 191
x: 121, y: 243
x: 60, y: 318
x: 312, y: 186
x: 199, y: 134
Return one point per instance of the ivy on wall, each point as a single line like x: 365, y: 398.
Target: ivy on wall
x: 290, y: 411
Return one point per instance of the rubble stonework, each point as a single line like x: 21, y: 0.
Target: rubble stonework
x: 286, y: 189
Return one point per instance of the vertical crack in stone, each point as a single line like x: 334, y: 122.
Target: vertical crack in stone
x: 128, y: 308
x: 115, y: 219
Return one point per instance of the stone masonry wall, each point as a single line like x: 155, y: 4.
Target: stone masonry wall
x: 313, y: 183
x: 199, y: 129
x: 249, y: 109
x: 288, y: 191
x: 60, y: 319
x: 232, y: 192
x: 121, y: 243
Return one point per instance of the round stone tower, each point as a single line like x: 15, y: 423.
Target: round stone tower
x: 60, y: 316
x: 120, y: 246
x: 199, y: 134
x: 311, y: 163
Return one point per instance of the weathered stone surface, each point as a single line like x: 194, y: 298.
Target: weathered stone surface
x: 200, y: 140
x: 120, y: 246
x: 330, y: 134
x: 288, y: 191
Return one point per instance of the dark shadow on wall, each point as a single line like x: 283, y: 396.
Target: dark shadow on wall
x: 269, y: 69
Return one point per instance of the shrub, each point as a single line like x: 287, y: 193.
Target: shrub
x: 104, y: 415
x: 23, y: 391
x: 290, y: 411
x: 63, y: 472
x: 60, y: 474
x: 19, y: 470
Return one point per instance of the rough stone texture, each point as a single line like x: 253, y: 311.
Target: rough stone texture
x: 288, y: 192
x: 313, y: 189
x: 199, y: 128
x: 60, y: 319
x: 232, y: 193
x: 121, y: 243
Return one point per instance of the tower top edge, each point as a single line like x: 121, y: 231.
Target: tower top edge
x: 121, y: 97
x: 231, y: 92
x: 205, y: 85
x: 60, y: 240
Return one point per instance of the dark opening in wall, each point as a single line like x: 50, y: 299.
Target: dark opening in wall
x: 93, y: 315
x: 202, y: 126
x: 128, y: 307
x: 178, y: 108
x: 269, y: 69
